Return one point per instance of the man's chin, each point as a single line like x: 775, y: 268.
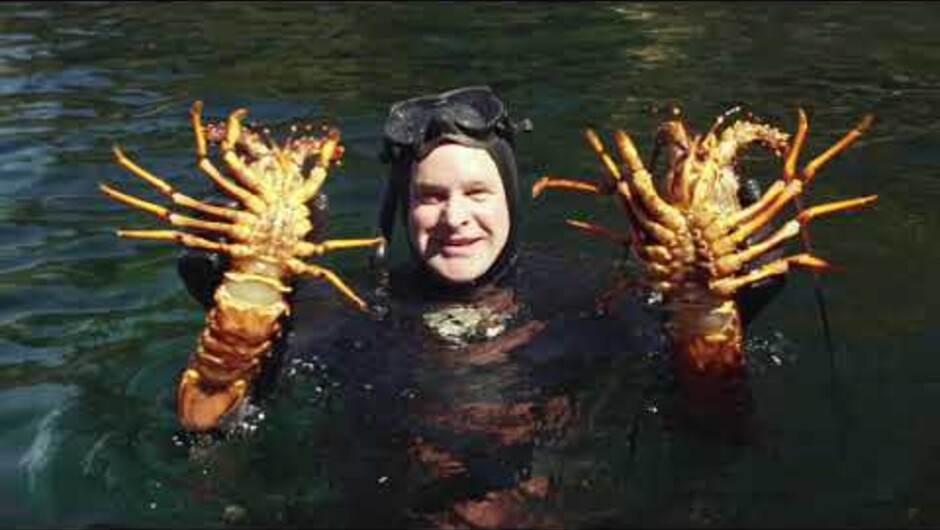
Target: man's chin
x: 458, y: 269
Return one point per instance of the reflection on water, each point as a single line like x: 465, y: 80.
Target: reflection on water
x: 94, y: 330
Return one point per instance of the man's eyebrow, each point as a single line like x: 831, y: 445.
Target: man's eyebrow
x: 478, y: 183
x: 428, y: 186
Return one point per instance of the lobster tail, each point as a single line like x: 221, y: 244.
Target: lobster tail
x: 706, y: 340
x: 709, y: 367
x: 238, y: 335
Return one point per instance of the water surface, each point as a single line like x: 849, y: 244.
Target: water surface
x: 93, y: 330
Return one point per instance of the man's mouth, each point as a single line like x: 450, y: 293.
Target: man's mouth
x: 458, y: 245
x: 460, y: 241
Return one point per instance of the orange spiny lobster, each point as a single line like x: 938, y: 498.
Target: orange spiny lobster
x: 692, y: 238
x: 265, y: 238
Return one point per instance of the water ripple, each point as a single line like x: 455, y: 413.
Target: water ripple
x: 110, y: 317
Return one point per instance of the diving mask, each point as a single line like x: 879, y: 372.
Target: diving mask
x: 469, y: 116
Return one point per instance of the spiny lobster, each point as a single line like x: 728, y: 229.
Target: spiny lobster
x: 692, y: 238
x: 266, y: 237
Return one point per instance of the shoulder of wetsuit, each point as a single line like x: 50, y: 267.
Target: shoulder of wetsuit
x: 202, y: 270
x: 326, y: 337
x: 753, y: 298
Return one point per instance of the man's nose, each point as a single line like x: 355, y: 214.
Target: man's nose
x: 457, y: 212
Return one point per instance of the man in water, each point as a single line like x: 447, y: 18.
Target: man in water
x: 442, y: 384
x: 475, y: 421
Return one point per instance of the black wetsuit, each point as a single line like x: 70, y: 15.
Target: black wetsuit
x: 449, y: 424
x: 480, y: 415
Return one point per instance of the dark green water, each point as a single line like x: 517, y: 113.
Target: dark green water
x: 93, y: 330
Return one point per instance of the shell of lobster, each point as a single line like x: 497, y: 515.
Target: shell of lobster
x: 266, y: 237
x: 691, y: 237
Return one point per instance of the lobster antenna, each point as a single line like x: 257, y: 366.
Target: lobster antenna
x: 789, y: 172
x: 817, y: 289
x: 823, y: 318
x: 721, y: 119
x: 837, y: 404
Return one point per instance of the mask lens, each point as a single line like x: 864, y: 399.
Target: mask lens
x: 488, y: 108
x: 467, y: 119
x: 406, y: 122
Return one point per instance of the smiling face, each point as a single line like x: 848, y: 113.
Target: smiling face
x: 458, y: 216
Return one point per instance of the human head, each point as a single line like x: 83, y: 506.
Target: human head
x: 452, y: 142
x: 458, y: 214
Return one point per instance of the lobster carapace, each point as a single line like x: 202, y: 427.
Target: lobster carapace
x: 266, y: 237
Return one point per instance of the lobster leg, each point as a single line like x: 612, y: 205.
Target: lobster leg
x: 634, y: 215
x: 641, y: 185
x: 761, y: 212
x: 251, y: 143
x: 199, y: 408
x: 166, y: 189
x: 766, y: 200
x: 850, y: 137
x: 600, y: 231
x: 745, y: 230
x: 732, y: 262
x: 727, y: 286
x: 598, y: 147
x: 236, y: 231
x: 802, y: 127
x: 304, y: 248
x: 815, y: 211
x: 189, y: 240
x: 789, y: 169
x: 673, y: 134
x: 233, y: 132
x: 793, y: 189
x: 250, y: 200
x: 548, y: 182
x: 299, y: 267
x: 328, y: 152
x: 642, y: 226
